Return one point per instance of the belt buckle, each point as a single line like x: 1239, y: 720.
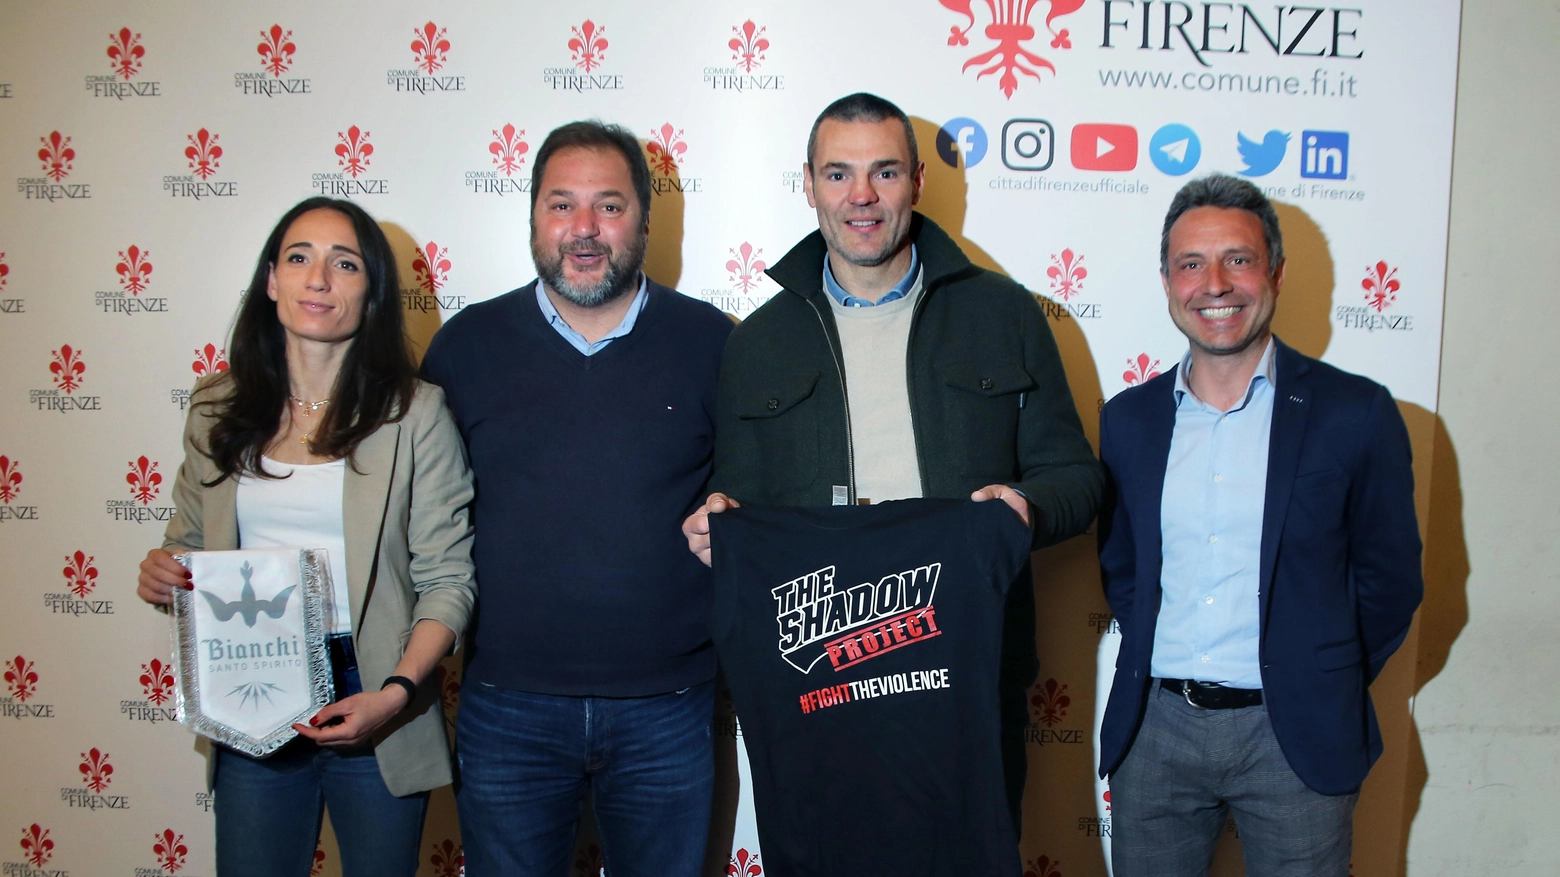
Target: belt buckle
x: 1186, y: 692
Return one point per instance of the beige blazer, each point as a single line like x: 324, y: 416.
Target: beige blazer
x: 405, y: 506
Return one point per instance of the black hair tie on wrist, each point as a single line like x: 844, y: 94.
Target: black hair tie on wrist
x: 409, y: 685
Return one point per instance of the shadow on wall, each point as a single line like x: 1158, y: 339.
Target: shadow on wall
x: 1444, y: 613
x: 663, y: 255
x: 1303, y: 318
x: 421, y: 322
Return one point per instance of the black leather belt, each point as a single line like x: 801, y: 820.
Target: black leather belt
x: 1210, y: 696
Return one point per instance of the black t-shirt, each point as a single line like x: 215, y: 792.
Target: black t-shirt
x: 862, y: 646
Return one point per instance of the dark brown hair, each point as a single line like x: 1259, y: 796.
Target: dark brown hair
x: 595, y: 134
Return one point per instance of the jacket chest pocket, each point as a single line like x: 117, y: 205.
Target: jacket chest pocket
x: 982, y: 403
x: 1322, y: 499
x: 781, y: 412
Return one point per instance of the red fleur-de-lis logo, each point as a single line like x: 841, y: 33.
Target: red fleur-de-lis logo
x: 144, y: 480
x: 1140, y: 369
x: 170, y: 850
x: 56, y: 156
x: 1106, y: 798
x: 666, y: 148
x: 21, y: 678
x: 157, y: 681
x: 448, y: 859
x: 125, y: 53
x: 80, y: 574
x: 317, y: 866
x: 431, y: 48
x: 748, y: 45
x: 432, y: 266
x: 589, y: 862
x: 353, y: 151
x: 135, y: 272
x: 507, y: 149
x: 1050, y: 702
x: 1043, y: 867
x: 96, y: 772
x: 1381, y: 286
x: 203, y: 153
x: 67, y: 368
x: 744, y: 864
x: 1010, y: 28
x: 1067, y: 274
x: 588, y: 48
x: 4, y: 270
x: 745, y: 268
x: 10, y: 480
x: 37, y: 848
x: 209, y: 360
x: 276, y: 50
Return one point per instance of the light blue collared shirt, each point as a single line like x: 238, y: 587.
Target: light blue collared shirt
x: 1211, y: 530
x: 900, y: 290
x: 577, y: 340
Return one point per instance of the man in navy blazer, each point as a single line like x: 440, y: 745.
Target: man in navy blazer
x: 1259, y: 549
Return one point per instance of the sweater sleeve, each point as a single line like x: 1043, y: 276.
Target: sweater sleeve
x: 737, y: 458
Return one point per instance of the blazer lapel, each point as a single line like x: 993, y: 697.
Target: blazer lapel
x: 1291, y: 410
x: 365, y: 491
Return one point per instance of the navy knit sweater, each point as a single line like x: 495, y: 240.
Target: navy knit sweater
x: 585, y: 468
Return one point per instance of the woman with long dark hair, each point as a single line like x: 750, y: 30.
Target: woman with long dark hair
x: 320, y: 435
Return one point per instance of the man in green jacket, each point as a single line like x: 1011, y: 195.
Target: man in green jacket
x: 891, y: 367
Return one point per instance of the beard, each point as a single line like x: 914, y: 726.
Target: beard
x: 620, y: 276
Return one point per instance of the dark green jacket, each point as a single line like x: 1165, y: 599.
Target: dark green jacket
x: 989, y: 401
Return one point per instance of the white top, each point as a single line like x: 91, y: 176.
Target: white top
x: 875, y: 342
x: 302, y: 509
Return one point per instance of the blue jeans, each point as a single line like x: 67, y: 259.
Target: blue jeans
x: 527, y: 759
x: 268, y: 811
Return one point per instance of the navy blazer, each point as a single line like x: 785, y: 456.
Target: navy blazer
x: 1340, y: 571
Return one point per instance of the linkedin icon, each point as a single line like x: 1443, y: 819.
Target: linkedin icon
x: 1028, y: 144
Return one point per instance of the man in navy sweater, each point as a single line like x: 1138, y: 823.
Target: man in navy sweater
x: 586, y: 400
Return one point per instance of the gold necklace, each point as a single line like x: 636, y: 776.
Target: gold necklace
x: 309, y: 407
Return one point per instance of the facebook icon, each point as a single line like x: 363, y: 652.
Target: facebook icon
x: 1324, y: 155
x: 964, y: 138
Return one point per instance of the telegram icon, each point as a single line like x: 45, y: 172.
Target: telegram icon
x: 1175, y: 149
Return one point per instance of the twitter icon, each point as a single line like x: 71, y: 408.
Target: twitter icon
x: 1262, y: 158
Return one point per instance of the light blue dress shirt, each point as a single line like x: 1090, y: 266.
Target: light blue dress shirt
x: 900, y: 290
x: 1211, y: 530
x: 577, y: 340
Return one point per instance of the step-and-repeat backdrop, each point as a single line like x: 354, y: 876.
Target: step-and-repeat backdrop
x: 153, y: 146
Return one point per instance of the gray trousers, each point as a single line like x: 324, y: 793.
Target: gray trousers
x: 1189, y: 767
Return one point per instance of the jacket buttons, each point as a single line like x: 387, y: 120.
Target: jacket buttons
x: 774, y: 404
x: 986, y: 383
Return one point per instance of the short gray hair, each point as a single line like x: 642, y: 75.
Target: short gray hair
x: 1223, y: 190
x: 863, y: 107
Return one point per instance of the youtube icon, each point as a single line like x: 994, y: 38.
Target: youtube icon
x: 1098, y: 147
